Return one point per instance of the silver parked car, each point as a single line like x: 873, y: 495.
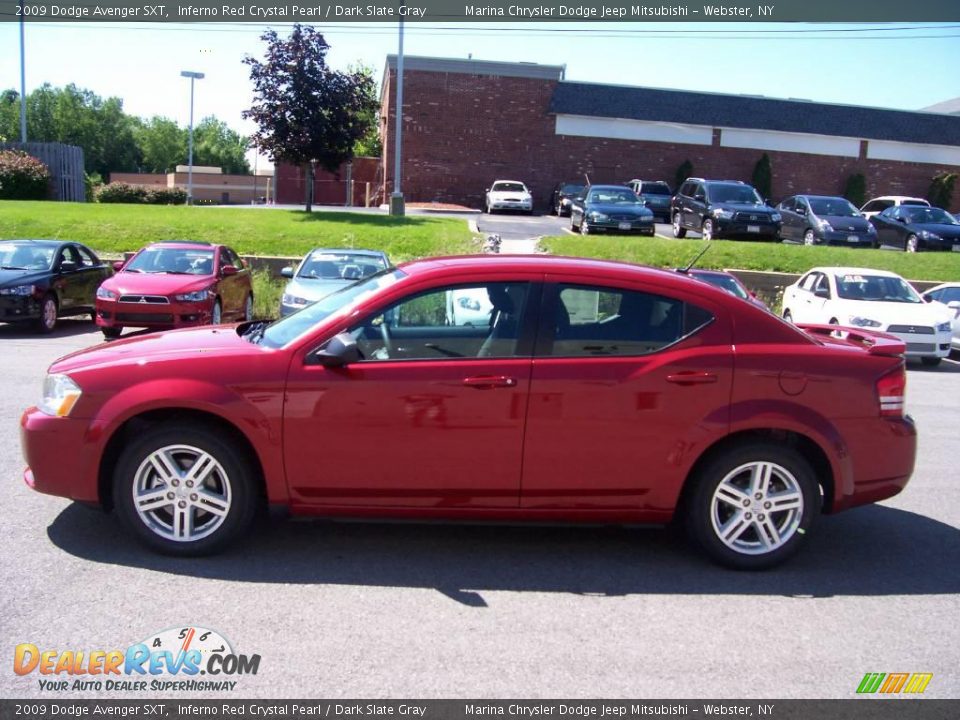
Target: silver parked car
x: 325, y: 270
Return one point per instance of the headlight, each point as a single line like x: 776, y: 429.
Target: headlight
x: 18, y: 290
x: 722, y: 214
x: 598, y: 216
x: 196, y: 296
x: 944, y: 327
x: 776, y: 217
x: 825, y: 226
x: 871, y: 230
x: 864, y: 322
x: 927, y: 235
x: 289, y: 299
x: 105, y: 294
x: 60, y: 394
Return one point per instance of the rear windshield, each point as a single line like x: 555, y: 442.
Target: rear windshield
x: 724, y: 282
x: 655, y: 188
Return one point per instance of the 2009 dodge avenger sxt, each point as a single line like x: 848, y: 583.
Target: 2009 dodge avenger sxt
x: 593, y: 392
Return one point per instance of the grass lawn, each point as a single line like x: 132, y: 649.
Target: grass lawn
x: 112, y: 229
x: 740, y: 255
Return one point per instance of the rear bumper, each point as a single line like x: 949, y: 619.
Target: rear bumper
x: 46, y: 443
x: 882, y: 454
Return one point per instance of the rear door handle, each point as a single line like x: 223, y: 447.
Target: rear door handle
x: 692, y: 378
x: 488, y: 382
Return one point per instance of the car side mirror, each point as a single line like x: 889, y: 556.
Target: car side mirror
x: 902, y: 220
x: 68, y: 266
x: 228, y: 270
x: 954, y: 305
x: 118, y: 265
x: 700, y: 197
x: 287, y: 272
x: 338, y: 351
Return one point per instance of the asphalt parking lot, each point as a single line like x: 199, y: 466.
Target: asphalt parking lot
x: 515, y: 228
x: 425, y: 611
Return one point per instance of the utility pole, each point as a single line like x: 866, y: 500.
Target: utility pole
x: 23, y: 80
x: 193, y: 76
x: 396, y: 198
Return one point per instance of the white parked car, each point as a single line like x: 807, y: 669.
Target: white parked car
x: 879, y: 204
x: 508, y: 195
x: 949, y: 295
x: 872, y: 300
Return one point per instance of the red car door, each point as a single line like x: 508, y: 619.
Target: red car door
x: 432, y: 417
x: 626, y: 385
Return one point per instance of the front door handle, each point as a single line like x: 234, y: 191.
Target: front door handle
x: 692, y: 378
x: 488, y: 382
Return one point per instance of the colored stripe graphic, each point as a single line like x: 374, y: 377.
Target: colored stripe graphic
x: 918, y: 682
x: 893, y: 683
x: 871, y: 682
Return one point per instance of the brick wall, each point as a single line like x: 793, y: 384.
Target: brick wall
x: 328, y: 188
x: 461, y: 132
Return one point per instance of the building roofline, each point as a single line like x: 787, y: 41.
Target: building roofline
x: 469, y: 66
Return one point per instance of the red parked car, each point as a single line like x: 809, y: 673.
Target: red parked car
x: 175, y: 284
x: 594, y: 392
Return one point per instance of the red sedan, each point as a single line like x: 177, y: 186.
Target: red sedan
x: 592, y: 392
x: 173, y: 285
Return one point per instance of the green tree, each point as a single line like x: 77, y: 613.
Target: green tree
x: 370, y: 145
x: 162, y: 144
x: 307, y: 114
x: 940, y: 193
x: 217, y: 145
x: 856, y: 189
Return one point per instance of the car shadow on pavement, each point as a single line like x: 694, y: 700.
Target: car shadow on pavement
x: 871, y: 551
x: 66, y: 327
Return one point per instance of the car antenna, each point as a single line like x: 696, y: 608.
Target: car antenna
x: 694, y: 261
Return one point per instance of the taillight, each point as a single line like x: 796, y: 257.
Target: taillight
x: 891, y: 389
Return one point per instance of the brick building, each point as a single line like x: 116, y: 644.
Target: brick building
x: 469, y: 122
x: 210, y: 184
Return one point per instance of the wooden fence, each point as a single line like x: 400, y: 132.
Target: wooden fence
x: 66, y: 167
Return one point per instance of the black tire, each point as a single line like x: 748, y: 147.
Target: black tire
x: 584, y: 226
x: 111, y: 333
x: 707, y: 231
x: 706, y: 517
x: 809, y: 237
x: 241, y: 488
x: 931, y: 361
x: 49, y: 309
x: 678, y: 230
x: 911, y: 244
x: 788, y: 316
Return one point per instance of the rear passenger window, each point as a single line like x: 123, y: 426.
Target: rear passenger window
x: 597, y: 321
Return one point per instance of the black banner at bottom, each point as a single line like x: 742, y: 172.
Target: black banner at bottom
x: 853, y: 709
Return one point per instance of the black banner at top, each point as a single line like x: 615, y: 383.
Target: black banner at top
x: 319, y: 12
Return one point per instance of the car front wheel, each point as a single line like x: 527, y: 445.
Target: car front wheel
x: 111, y: 333
x: 185, y: 489
x: 216, y: 315
x: 912, y: 244
x: 752, y: 506
x: 47, y: 321
x: 707, y: 230
x: 809, y: 238
x: 678, y: 230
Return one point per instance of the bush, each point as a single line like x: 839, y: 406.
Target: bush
x: 166, y: 196
x: 121, y: 193
x: 763, y: 177
x: 23, y: 177
x: 940, y: 193
x: 91, y: 183
x: 856, y: 189
x: 684, y: 171
x: 266, y: 294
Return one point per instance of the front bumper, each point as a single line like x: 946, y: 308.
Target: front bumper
x: 18, y: 308
x: 847, y: 238
x: 525, y: 205
x: 46, y: 441
x: 921, y: 345
x: 735, y: 228
x: 111, y: 313
x: 644, y: 226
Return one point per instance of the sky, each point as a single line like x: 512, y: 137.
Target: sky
x: 903, y: 66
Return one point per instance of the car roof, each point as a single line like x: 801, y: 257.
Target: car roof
x: 41, y: 243
x: 705, y: 271
x: 348, y: 251
x: 822, y: 197
x: 899, y: 198
x: 506, y: 181
x: 190, y: 244
x: 942, y: 286
x: 610, y: 186
x: 853, y: 271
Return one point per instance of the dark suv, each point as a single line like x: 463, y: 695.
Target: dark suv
x: 722, y: 208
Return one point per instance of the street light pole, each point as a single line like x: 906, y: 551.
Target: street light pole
x: 23, y: 81
x: 396, y: 198
x: 193, y: 76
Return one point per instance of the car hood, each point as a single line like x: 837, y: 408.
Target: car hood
x: 615, y: 209
x: 131, y: 283
x: 895, y: 313
x: 173, y: 345
x: 941, y: 229
x: 845, y: 222
x: 10, y: 278
x: 313, y: 289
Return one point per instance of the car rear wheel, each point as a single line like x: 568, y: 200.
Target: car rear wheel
x: 185, y: 489
x: 707, y: 229
x: 111, y: 333
x: 809, y: 238
x: 47, y: 321
x: 912, y: 244
x: 678, y: 230
x: 752, y: 506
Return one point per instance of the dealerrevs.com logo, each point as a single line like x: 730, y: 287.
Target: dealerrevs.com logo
x: 186, y: 659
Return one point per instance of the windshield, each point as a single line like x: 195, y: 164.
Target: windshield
x: 616, y: 196
x: 324, y: 265
x: 733, y: 194
x: 174, y: 260
x: 25, y: 256
x: 655, y: 188
x: 724, y: 282
x: 834, y: 207
x: 875, y: 288
x: 508, y: 187
x: 928, y: 215
x: 338, y: 303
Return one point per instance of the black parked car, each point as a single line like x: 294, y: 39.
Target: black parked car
x: 826, y: 220
x: 563, y: 194
x: 614, y: 208
x: 41, y: 280
x: 655, y: 194
x: 722, y: 208
x: 913, y: 227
